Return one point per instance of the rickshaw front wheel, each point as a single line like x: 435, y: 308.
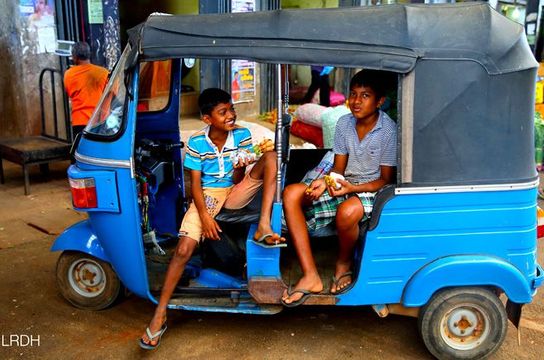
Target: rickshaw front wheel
x: 87, y: 282
x: 463, y: 323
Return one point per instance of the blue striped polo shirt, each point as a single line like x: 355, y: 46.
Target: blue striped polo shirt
x: 215, y: 165
x: 378, y: 147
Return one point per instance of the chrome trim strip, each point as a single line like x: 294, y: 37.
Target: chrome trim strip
x: 465, y: 188
x: 103, y: 162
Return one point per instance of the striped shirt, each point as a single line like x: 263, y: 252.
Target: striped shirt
x: 216, y: 166
x: 378, y: 147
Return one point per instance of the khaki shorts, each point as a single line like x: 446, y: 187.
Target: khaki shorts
x: 234, y: 197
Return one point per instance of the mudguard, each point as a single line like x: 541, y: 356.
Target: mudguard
x: 466, y: 270
x: 80, y: 237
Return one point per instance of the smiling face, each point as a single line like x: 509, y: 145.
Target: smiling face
x: 363, y: 102
x: 222, y: 117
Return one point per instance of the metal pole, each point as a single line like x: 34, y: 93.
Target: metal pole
x: 279, y: 131
x: 54, y: 99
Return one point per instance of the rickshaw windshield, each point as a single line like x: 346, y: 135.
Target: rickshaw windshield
x: 108, y: 116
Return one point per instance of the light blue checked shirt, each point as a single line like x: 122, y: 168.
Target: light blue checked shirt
x: 378, y: 147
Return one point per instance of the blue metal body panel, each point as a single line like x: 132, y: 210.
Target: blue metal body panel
x: 261, y: 261
x: 80, y: 237
x: 245, y: 306
x: 466, y: 270
x: 106, y: 188
x: 211, y: 278
x: 119, y: 232
x: 417, y: 230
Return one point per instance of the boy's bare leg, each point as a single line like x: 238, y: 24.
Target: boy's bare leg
x: 183, y: 253
x: 348, y: 216
x: 265, y: 169
x: 293, y: 202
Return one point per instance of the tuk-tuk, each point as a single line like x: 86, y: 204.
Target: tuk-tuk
x: 457, y: 229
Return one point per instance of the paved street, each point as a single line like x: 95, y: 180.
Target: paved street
x: 30, y: 305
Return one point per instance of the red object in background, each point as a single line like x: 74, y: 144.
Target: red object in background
x: 310, y: 133
x: 336, y: 98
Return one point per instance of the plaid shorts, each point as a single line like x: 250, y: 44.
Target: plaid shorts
x: 323, y: 210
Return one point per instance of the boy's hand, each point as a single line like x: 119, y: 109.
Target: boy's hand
x: 243, y: 162
x: 315, y: 189
x: 210, y: 228
x: 347, y: 188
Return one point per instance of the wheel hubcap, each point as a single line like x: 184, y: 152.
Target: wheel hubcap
x: 87, y: 278
x: 465, y: 327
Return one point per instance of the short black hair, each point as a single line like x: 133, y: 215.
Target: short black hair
x: 210, y: 98
x: 374, y: 79
x: 81, y: 50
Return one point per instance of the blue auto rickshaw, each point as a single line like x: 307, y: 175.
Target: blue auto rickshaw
x: 456, y: 230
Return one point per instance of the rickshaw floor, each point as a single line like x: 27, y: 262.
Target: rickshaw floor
x: 325, y: 250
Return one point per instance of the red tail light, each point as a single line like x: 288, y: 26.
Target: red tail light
x: 540, y: 222
x: 83, y: 193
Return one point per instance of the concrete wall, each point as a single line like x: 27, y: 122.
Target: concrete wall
x: 20, y: 113
x: 309, y: 4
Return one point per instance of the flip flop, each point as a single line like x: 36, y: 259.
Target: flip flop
x: 305, y: 295
x: 152, y: 337
x: 262, y: 242
x: 336, y: 283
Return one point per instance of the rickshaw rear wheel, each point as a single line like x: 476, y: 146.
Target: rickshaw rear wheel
x: 87, y: 282
x: 463, y: 323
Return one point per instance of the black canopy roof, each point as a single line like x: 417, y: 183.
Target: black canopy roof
x: 390, y: 37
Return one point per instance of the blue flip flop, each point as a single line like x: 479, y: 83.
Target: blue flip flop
x: 262, y: 242
x: 152, y: 337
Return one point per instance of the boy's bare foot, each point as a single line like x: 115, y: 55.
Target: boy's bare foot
x: 310, y: 283
x: 268, y: 236
x: 342, y: 278
x: 154, y: 326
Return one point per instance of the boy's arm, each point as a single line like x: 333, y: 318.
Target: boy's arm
x: 210, y: 228
x: 238, y: 174
x: 387, y: 176
x: 246, y: 143
x: 340, y: 163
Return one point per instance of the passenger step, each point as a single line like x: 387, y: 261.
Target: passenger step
x: 244, y: 305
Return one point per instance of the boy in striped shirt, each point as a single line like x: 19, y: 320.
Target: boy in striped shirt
x: 216, y: 182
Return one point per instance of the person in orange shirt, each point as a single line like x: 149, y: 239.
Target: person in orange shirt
x: 84, y: 82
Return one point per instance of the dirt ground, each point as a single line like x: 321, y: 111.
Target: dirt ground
x: 31, y: 305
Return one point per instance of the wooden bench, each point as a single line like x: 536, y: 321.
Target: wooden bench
x: 44, y: 149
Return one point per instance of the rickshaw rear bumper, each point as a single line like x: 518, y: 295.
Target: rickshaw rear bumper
x: 80, y: 237
x: 539, y: 278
